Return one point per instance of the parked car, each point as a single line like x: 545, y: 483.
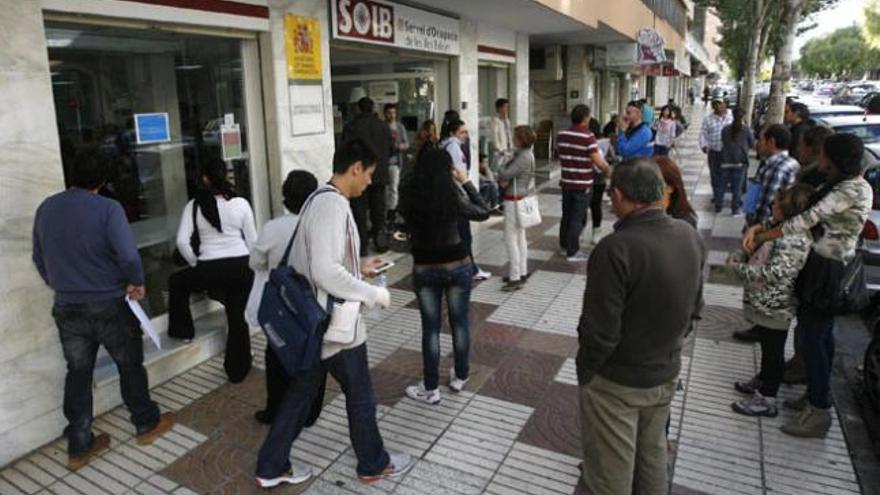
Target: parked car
x: 852, y: 94
x: 824, y: 111
x: 866, y: 127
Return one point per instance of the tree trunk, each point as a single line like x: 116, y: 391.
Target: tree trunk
x: 752, y: 67
x: 791, y: 17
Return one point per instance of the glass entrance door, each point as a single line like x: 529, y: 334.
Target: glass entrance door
x: 105, y: 78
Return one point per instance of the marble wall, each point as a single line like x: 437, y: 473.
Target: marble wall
x: 312, y: 152
x: 31, y: 363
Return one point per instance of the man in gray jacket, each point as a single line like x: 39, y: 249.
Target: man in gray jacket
x: 643, y: 290
x: 325, y: 251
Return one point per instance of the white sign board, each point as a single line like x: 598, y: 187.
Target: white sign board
x: 385, y: 23
x: 306, y: 108
x: 620, y: 54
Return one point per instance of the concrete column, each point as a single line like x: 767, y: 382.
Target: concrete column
x: 578, y: 78
x: 520, y: 84
x: 31, y: 362
x: 466, y: 89
x: 625, y: 96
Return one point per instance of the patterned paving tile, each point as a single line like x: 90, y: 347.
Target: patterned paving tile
x: 523, y: 377
x: 529, y: 470
x: 555, y: 423
x: 551, y: 343
x: 567, y: 373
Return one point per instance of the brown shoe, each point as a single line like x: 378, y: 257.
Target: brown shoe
x: 102, y: 442
x: 166, y: 421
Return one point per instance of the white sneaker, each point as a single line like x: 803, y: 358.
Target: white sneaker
x: 398, y: 464
x: 290, y: 478
x: 455, y: 383
x: 482, y: 275
x: 577, y: 257
x: 418, y: 392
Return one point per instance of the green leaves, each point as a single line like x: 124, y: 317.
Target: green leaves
x: 844, y: 52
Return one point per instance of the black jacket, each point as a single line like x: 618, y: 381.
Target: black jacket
x: 433, y: 242
x: 377, y: 134
x: 644, y: 288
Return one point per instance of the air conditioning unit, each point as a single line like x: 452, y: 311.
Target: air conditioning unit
x: 545, y: 63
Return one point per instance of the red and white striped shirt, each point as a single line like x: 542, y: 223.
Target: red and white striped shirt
x: 576, y: 144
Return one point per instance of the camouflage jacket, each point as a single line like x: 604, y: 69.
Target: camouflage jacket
x: 768, y: 293
x: 842, y: 214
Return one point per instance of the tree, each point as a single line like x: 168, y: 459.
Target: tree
x: 843, y: 53
x: 871, y: 28
x: 791, y: 17
x: 755, y: 28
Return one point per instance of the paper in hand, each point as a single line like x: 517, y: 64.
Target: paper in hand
x: 144, y: 320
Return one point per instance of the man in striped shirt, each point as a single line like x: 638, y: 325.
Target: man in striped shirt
x: 579, y: 157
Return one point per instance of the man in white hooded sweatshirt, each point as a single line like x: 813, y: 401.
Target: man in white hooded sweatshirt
x: 326, y: 252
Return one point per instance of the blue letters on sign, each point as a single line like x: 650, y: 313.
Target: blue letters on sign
x: 151, y: 128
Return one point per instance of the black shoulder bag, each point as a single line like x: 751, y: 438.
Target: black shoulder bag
x: 831, y: 286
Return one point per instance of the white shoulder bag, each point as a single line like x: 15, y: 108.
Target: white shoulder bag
x: 528, y: 213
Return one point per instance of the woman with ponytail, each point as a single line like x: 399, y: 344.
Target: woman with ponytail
x: 215, y: 234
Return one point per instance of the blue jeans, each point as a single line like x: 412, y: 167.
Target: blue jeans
x: 816, y: 333
x: 716, y: 176
x: 574, y: 218
x: 351, y: 370
x: 489, y: 192
x: 82, y: 328
x: 430, y: 285
x: 733, y: 179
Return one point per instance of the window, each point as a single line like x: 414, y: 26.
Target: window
x: 102, y: 77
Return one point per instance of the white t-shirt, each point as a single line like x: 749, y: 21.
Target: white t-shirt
x: 239, y: 232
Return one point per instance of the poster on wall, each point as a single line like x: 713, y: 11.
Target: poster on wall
x: 302, y: 40
x: 306, y: 109
x: 380, y: 22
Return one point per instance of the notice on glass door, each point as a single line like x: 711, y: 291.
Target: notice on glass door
x: 151, y: 128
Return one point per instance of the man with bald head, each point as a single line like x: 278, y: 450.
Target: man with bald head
x: 643, y: 290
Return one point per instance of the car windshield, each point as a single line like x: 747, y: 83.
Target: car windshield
x: 870, y: 133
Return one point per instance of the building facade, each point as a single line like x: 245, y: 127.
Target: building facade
x: 266, y: 86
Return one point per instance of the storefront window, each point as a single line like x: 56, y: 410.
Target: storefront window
x: 103, y: 78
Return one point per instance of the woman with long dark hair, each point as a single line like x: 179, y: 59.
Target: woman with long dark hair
x: 664, y: 135
x: 675, y: 200
x: 215, y: 240
x: 736, y: 141
x: 433, y: 202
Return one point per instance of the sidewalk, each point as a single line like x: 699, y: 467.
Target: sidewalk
x: 515, y: 428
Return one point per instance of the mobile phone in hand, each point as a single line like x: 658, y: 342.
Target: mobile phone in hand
x: 384, y: 266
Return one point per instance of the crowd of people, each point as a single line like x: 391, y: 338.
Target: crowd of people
x: 801, y: 224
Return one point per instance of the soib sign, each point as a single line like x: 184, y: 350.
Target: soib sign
x: 385, y: 23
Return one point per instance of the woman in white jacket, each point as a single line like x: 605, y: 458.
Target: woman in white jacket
x: 266, y: 254
x: 215, y: 240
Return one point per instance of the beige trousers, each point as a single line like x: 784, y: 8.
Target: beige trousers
x: 623, y: 434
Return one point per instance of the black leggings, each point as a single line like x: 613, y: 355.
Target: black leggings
x: 229, y: 281
x: 772, y: 359
x: 596, y: 204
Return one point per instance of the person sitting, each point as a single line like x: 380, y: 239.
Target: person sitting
x: 266, y: 254
x: 768, y: 276
x: 223, y: 223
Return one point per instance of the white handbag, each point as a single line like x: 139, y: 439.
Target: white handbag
x: 343, y: 322
x: 528, y: 212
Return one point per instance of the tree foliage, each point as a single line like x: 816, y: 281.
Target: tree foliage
x: 871, y: 28
x: 843, y: 53
x: 737, y: 18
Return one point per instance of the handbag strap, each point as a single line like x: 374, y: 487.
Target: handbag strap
x: 195, y: 235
